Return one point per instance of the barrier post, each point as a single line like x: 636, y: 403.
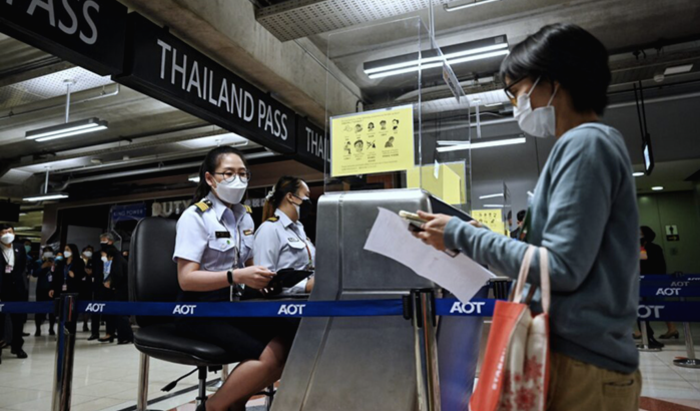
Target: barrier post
x: 421, y: 311
x: 65, y: 351
x: 690, y: 361
x: 644, y: 346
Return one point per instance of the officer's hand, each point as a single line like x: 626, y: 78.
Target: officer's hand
x: 71, y: 274
x: 255, y: 276
x: 50, y: 293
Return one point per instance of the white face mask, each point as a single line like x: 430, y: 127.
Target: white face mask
x: 48, y: 254
x: 67, y: 254
x: 8, y: 238
x: 540, y: 122
x: 232, y: 192
x: 87, y: 254
x: 104, y: 259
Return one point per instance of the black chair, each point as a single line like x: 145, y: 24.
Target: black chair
x: 153, y: 278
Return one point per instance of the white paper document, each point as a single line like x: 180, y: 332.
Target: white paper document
x: 460, y: 275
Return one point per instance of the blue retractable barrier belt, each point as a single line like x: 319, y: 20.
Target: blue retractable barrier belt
x: 685, y: 311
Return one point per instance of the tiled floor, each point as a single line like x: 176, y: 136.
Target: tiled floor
x: 106, y: 375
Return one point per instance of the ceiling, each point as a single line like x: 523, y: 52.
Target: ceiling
x: 645, y: 37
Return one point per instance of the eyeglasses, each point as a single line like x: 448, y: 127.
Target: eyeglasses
x: 229, y: 176
x: 509, y: 91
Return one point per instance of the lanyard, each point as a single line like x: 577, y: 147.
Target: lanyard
x: 234, y: 290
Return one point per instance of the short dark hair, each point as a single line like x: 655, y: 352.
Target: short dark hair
x: 568, y: 54
x: 5, y: 226
x: 648, y: 233
x: 521, y: 215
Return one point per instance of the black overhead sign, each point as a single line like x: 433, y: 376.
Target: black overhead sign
x: 313, y: 147
x: 162, y: 66
x: 88, y: 33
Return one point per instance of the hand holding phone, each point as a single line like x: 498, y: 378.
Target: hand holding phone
x: 415, y: 222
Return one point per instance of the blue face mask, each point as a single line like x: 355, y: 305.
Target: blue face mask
x: 58, y: 258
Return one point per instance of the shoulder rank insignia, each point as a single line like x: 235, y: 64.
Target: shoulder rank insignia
x: 248, y: 209
x: 273, y: 219
x: 203, y: 205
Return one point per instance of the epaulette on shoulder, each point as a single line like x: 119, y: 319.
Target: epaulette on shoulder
x: 248, y: 209
x: 203, y: 205
x: 273, y: 219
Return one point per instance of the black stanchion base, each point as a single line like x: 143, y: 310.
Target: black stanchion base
x: 687, y: 363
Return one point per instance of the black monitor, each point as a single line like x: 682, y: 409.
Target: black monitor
x: 9, y: 211
x: 647, y: 154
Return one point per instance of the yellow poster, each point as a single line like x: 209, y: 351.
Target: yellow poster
x: 491, y: 218
x: 447, y: 185
x: 375, y: 141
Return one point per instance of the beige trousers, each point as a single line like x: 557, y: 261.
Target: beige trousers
x: 578, y: 386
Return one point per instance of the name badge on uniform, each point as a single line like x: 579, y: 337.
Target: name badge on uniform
x: 223, y: 234
x: 293, y: 240
x: 247, y: 232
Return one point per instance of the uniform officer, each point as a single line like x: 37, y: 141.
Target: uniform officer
x: 12, y: 286
x: 281, y: 242
x: 214, y: 251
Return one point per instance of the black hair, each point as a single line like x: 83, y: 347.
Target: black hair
x: 211, y: 161
x: 5, y: 226
x: 521, y: 215
x: 74, y: 250
x: 649, y: 234
x: 568, y: 54
x: 48, y: 248
x: 284, y: 186
x: 112, y: 252
x: 88, y: 246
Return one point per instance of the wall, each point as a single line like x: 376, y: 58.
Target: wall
x: 680, y: 209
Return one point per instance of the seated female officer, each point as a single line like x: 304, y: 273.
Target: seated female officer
x: 281, y: 242
x: 213, y: 251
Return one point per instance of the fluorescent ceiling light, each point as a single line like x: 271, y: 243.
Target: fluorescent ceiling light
x: 415, y: 67
x: 194, y: 179
x: 657, y: 188
x: 46, y: 197
x: 638, y: 174
x: 226, y: 139
x: 493, y: 205
x: 491, y: 196
x: 72, y: 133
x: 438, y: 58
x: 482, y: 144
x: 468, y: 5
x: 678, y: 69
x: 494, y: 104
x: 67, y: 129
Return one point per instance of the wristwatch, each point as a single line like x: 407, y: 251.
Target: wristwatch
x: 229, y: 276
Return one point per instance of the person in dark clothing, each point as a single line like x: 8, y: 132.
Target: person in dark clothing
x: 69, y: 272
x: 44, y: 272
x: 13, y: 270
x: 85, y: 292
x: 99, y: 292
x: 652, y: 262
x: 652, y: 259
x: 516, y: 233
x: 116, y: 281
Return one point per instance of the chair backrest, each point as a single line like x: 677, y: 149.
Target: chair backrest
x: 152, y: 272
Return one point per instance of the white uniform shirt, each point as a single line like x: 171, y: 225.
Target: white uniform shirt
x: 219, y: 238
x: 283, y: 244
